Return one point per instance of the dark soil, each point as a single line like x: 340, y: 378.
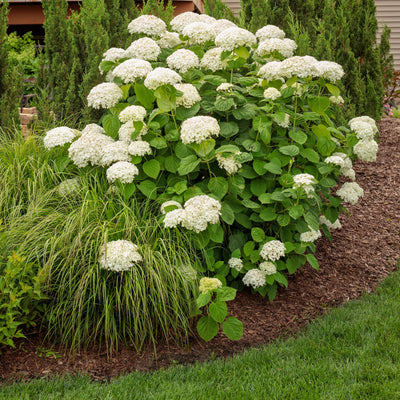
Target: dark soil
x: 360, y: 256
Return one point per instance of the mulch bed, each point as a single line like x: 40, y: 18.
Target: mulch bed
x: 361, y: 255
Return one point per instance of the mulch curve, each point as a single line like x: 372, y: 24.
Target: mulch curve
x: 360, y: 256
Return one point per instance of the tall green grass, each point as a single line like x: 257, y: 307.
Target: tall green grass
x: 63, y: 235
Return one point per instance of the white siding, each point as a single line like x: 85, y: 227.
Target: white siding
x: 388, y: 12
x: 234, y: 5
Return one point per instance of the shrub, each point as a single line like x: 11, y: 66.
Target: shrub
x: 239, y: 149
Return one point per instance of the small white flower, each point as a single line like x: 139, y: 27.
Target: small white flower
x: 310, y: 236
x: 235, y: 263
x: 304, y: 181
x: 207, y: 285
x: 131, y: 70
x: 144, y: 49
x: 119, y: 255
x: 147, y: 24
x: 302, y: 67
x: 181, y: 20
x: 132, y: 113
x: 161, y: 76
x: 139, y: 148
x: 254, y: 278
x: 113, y: 152
x: 268, y: 267
x: 127, y: 129
x: 273, y: 250
x: 350, y: 192
x: 286, y: 47
x: 366, y: 150
x: 104, y: 95
x: 225, y: 87
x: 325, y: 221
x: 59, y: 137
x: 271, y: 71
x: 336, y: 99
x: 272, y: 93
x: 169, y: 40
x: 229, y: 164
x: 231, y: 38
x: 174, y: 218
x: 190, y: 95
x: 199, y: 32
x: 182, y: 60
x: 329, y: 70
x: 366, y: 119
x: 212, y: 60
x: 335, y: 160
x: 222, y: 24
x: 122, y: 171
x: 197, y: 129
x: 285, y: 123
x: 114, y: 54
x: 269, y: 32
x: 363, y: 130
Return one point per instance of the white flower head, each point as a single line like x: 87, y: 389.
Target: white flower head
x: 273, y: 250
x: 302, y: 67
x: 212, y: 60
x: 169, y: 205
x: 229, y: 164
x: 113, y: 152
x: 69, y: 187
x: 119, y: 255
x: 285, y: 123
x: 181, y: 20
x: 350, y: 192
x: 336, y: 99
x: 235, y: 263
x: 366, y: 150
x: 114, y: 54
x: 254, y: 278
x: 335, y: 160
x: 169, y: 40
x: 197, y: 129
x: 271, y: 71
x: 144, y: 49
x: 222, y: 24
x: 132, y: 113
x: 231, y: 38
x: 286, y: 47
x: 347, y: 164
x: 310, y: 236
x: 93, y: 128
x: 207, y: 285
x: 122, y: 171
x: 174, y: 218
x: 104, y: 95
x: 329, y: 70
x: 148, y: 24
x: 59, y: 137
x: 182, y: 60
x: 225, y: 87
x: 272, y: 93
x: 207, y: 19
x: 363, y: 130
x: 161, y: 76
x: 199, y: 32
x: 190, y: 95
x: 139, y: 148
x: 268, y: 267
x: 131, y: 70
x: 325, y: 221
x: 366, y: 119
x: 127, y: 129
x: 269, y: 32
x: 304, y: 181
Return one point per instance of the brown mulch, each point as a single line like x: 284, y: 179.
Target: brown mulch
x: 361, y: 255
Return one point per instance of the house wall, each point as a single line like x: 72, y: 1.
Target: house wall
x: 234, y: 5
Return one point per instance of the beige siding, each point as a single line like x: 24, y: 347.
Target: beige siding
x: 388, y: 12
x: 234, y: 5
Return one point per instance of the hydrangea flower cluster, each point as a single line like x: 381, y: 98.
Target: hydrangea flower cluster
x: 235, y: 263
x: 131, y: 70
x: 350, y: 192
x: 182, y: 60
x: 304, y: 181
x: 286, y: 47
x: 207, y: 285
x: 365, y: 129
x: 310, y: 236
x: 190, y: 95
x: 69, y: 187
x: 104, y: 95
x: 119, y: 256
x: 254, y: 278
x: 198, y: 129
x: 58, y: 137
x: 122, y: 171
x: 273, y: 250
x: 229, y: 164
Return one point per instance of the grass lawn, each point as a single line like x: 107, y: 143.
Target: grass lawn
x: 352, y: 353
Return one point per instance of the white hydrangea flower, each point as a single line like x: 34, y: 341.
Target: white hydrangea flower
x: 114, y: 54
x: 182, y: 60
x: 110, y: 76
x: 225, y: 87
x: 89, y: 147
x: 104, y: 95
x: 229, y: 164
x: 348, y: 173
x: 207, y: 285
x: 363, y: 130
x: 207, y: 19
x: 114, y: 152
x: 335, y: 160
x: 170, y: 203
x: 231, y: 38
x: 366, y: 150
x: 181, y: 20
x: 58, y: 137
x: 272, y: 93
x: 169, y: 40
x: 190, y: 95
x: 329, y: 70
x: 174, y: 218
x: 336, y: 99
x: 148, y: 24
x: 350, y: 192
x: 126, y: 130
x: 304, y: 181
x: 302, y: 67
x: 139, y: 148
x: 235, y: 263
x: 161, y: 76
x: 119, y: 255
x: 268, y: 267
x: 132, y: 69
x: 347, y: 164
x: 285, y: 123
x: 212, y: 60
x: 273, y: 250
x: 200, y: 211
x: 197, y: 129
x: 271, y: 71
x: 122, y: 171
x: 222, y: 24
x: 286, y: 47
x: 366, y: 119
x: 254, y: 278
x: 199, y: 32
x: 270, y: 32
x: 69, y: 187
x: 144, y: 49
x: 132, y: 113
x: 310, y: 236
x: 325, y: 221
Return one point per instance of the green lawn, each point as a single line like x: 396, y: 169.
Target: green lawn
x: 352, y: 353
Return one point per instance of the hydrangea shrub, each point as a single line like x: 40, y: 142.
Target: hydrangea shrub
x: 233, y: 136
